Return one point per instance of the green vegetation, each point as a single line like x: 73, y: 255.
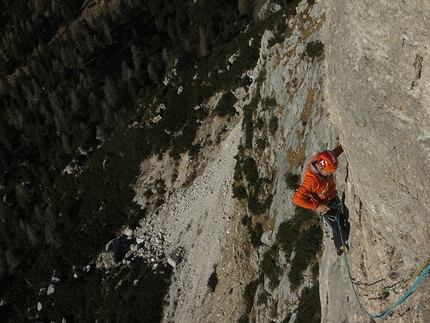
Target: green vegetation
x: 256, y: 234
x: 249, y: 295
x: 292, y: 180
x: 270, y: 267
x: 261, y: 143
x: 263, y: 297
x: 248, y: 122
x: 249, y: 168
x: 255, y: 231
x: 306, y: 247
x: 225, y: 105
x: 239, y: 192
x: 273, y: 125
x: 314, y: 49
x: 253, y: 186
x: 82, y: 300
x: 82, y: 88
x: 287, y: 318
x: 298, y: 239
x: 309, y: 309
x: 279, y: 33
x: 213, y: 281
x: 301, y: 236
x: 243, y: 319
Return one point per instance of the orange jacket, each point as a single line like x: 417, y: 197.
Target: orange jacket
x: 315, y: 189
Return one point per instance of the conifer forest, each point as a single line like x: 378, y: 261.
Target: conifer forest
x: 79, y: 82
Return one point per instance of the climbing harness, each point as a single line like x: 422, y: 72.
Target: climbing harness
x: 336, y: 203
x: 419, y: 275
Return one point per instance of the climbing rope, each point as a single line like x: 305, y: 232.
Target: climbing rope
x: 420, y: 274
x: 397, y: 288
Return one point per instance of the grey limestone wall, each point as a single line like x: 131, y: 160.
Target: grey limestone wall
x: 377, y: 88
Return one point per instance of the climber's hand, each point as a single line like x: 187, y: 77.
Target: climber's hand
x: 322, y: 208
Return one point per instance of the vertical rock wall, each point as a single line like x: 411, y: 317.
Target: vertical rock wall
x: 378, y: 94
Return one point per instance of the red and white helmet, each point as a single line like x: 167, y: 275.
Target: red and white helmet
x: 328, y: 160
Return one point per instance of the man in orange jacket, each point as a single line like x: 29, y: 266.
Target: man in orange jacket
x: 318, y: 192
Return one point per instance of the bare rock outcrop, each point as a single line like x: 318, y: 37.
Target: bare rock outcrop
x: 378, y: 93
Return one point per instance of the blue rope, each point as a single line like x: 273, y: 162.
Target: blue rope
x: 383, y: 315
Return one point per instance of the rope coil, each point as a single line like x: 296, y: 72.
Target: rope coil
x: 419, y: 275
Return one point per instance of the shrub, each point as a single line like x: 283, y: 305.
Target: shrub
x: 248, y: 123
x: 249, y: 295
x: 255, y: 206
x: 213, y: 281
x: 225, y: 105
x: 286, y: 236
x: 274, y: 310
x: 238, y: 176
x: 261, y: 143
x: 249, y: 133
x: 315, y: 271
x: 314, y: 49
x: 246, y: 221
x: 307, y: 247
x: 303, y: 215
x: 270, y: 267
x: 262, y: 297
x: 250, y: 170
x: 292, y: 180
x: 159, y: 202
x: 309, y: 309
x: 269, y: 103
x: 287, y: 318
x: 254, y: 231
x: 306, y: 240
x: 256, y: 234
x: 259, y: 124
x: 243, y: 319
x: 273, y: 125
x: 239, y: 192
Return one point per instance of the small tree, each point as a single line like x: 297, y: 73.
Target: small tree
x: 213, y: 281
x: 225, y: 105
x: 314, y: 49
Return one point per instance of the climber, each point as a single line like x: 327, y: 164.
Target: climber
x: 318, y: 192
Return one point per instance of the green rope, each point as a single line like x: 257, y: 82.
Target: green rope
x: 419, y: 275
x: 398, y: 286
x: 338, y: 205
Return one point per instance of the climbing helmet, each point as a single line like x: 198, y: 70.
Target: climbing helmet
x: 328, y: 160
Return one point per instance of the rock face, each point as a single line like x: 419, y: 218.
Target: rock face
x: 377, y: 87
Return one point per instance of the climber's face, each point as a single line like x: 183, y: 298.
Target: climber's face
x: 322, y: 171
